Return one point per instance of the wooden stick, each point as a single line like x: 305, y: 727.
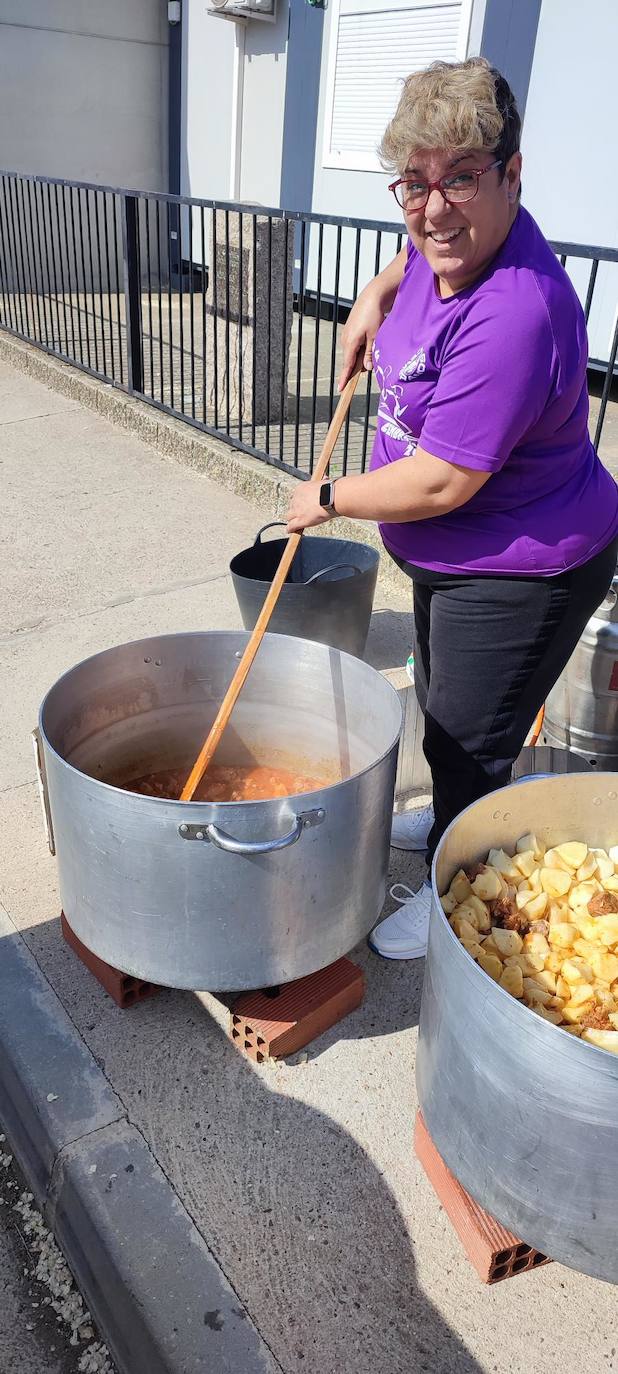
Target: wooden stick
x: 240, y: 676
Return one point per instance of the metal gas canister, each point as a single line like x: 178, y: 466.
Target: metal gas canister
x: 581, y: 711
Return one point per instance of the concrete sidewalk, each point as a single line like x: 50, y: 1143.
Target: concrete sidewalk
x: 294, y: 1190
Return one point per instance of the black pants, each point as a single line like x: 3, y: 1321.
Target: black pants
x: 487, y: 652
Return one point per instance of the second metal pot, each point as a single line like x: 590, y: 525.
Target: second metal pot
x: 524, y: 1114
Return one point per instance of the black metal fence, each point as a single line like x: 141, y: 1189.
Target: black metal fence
x: 227, y: 316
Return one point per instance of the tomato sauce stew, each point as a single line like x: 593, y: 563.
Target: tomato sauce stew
x: 225, y: 783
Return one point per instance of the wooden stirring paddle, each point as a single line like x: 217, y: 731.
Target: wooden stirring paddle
x: 229, y: 701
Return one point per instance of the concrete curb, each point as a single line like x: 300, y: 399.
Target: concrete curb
x: 266, y: 487
x: 162, y: 1302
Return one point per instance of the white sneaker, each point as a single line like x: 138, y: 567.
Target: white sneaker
x: 411, y: 828
x: 404, y: 934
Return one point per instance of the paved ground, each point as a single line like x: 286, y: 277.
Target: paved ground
x: 301, y: 1178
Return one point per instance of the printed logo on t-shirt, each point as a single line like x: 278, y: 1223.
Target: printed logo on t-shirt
x: 415, y: 366
x: 390, y: 410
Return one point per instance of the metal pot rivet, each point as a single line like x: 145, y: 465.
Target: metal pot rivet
x: 596, y: 801
x: 507, y: 816
x: 238, y: 654
x: 612, y: 796
x: 147, y: 660
x: 157, y: 662
x: 199, y: 834
x: 496, y: 816
x: 184, y: 829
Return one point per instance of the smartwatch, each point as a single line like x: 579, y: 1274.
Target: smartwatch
x: 327, y: 497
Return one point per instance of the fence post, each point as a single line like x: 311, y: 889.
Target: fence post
x: 132, y: 293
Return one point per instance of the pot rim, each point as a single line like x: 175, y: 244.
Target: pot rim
x: 230, y: 805
x: 512, y: 1003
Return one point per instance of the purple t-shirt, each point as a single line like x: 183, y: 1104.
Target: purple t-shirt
x: 494, y: 379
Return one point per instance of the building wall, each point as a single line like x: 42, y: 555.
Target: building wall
x: 83, y: 90
x: 234, y: 77
x: 207, y: 101
x: 569, y: 144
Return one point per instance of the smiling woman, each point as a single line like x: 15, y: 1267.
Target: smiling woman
x: 483, y: 478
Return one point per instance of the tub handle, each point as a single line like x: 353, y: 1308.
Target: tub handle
x: 211, y: 833
x: 334, y: 567
x: 270, y: 526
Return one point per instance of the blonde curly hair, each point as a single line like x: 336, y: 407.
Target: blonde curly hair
x: 454, y: 105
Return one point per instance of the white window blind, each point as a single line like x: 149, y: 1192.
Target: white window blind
x: 374, y: 45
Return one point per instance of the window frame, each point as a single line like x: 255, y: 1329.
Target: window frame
x: 367, y: 162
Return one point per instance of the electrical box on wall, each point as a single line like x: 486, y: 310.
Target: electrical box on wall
x: 244, y: 9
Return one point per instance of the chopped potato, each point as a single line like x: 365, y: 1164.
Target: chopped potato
x: 603, y: 1039
x: 461, y: 886
x: 552, y: 860
x: 536, y: 906
x: 549, y: 1014
x: 541, y: 924
x: 481, y: 910
x: 572, y: 853
x: 528, y: 842
x: 589, y: 868
x: 607, y: 927
x: 506, y: 941
x: 604, y: 965
x: 582, y: 893
x: 605, y: 867
x: 533, y: 992
x: 472, y: 947
x: 555, y: 882
x: 487, y: 885
x: 497, y: 858
x: 491, y: 965
x: 526, y: 862
x: 562, y: 934
x: 513, y: 981
x: 577, y: 971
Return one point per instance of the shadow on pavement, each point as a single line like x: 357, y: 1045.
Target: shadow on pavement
x: 296, y: 1208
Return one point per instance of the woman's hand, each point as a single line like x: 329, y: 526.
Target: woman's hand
x: 305, y: 509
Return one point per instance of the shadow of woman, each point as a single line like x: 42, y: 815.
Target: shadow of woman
x: 312, y: 1237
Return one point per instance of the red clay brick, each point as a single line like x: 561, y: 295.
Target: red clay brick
x: 124, y: 989
x: 263, y: 1026
x: 495, y: 1252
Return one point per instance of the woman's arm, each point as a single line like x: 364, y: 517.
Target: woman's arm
x: 367, y: 314
x: 409, y: 489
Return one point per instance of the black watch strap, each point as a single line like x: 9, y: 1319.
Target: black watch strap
x: 327, y: 497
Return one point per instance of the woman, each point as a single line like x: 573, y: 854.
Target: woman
x: 483, y: 478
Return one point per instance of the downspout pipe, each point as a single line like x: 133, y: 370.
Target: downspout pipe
x: 174, y: 111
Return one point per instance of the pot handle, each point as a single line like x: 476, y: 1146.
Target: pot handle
x: 210, y: 832
x: 334, y: 567
x: 270, y: 526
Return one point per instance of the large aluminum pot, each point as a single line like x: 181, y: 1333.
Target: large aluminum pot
x: 229, y: 895
x: 524, y: 1114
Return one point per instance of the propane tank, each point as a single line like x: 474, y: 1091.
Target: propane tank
x: 581, y: 712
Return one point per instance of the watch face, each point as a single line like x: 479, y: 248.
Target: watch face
x: 326, y: 492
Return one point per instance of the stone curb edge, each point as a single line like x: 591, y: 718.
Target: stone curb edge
x: 265, y: 486
x: 157, y: 1293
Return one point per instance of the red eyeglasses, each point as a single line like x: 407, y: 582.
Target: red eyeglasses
x: 412, y: 193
